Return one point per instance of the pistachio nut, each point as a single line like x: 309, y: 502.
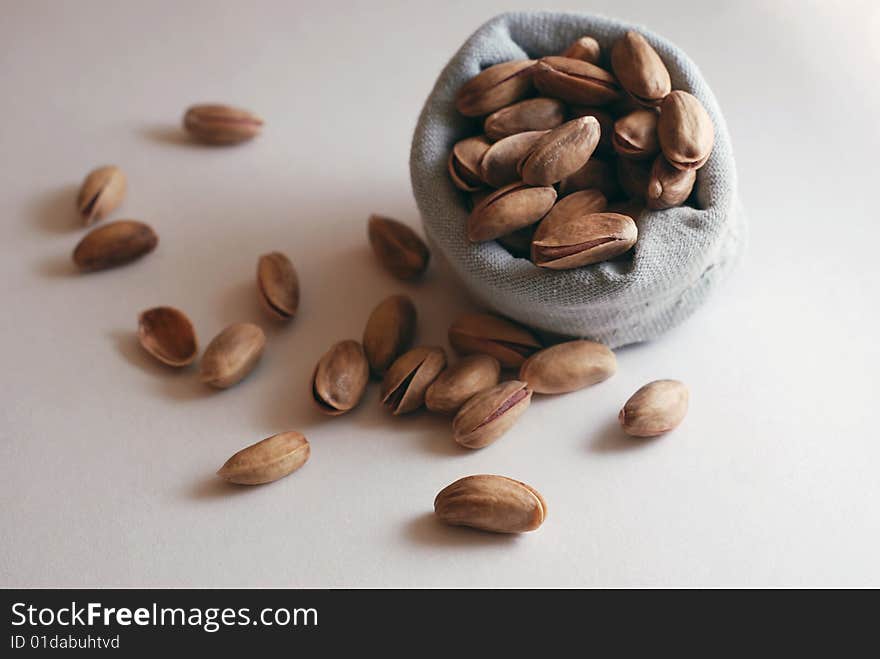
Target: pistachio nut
x: 408, y: 378
x: 586, y: 49
x: 686, y: 132
x: 531, y: 114
x: 100, y: 194
x: 568, y: 367
x: 278, y: 285
x: 491, y: 503
x: 397, y: 247
x: 570, y: 240
x: 267, y: 460
x: 476, y: 197
x: 633, y: 177
x: 480, y: 333
x: 582, y: 202
x: 340, y: 378
x: 512, y: 207
x: 656, y: 408
x: 669, y: 186
x: 635, y: 135
x: 168, y: 335
x: 221, y: 124
x: 231, y: 355
x: 389, y: 332
x: 606, y: 125
x: 489, y: 414
x: 598, y: 174
x: 498, y: 167
x: 495, y: 87
x: 575, y: 81
x: 519, y: 243
x: 560, y: 152
x: 113, y: 244
x: 632, y: 207
x: 464, y: 163
x: 468, y: 376
x: 639, y: 69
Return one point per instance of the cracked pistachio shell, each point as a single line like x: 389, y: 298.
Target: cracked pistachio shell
x: 231, y: 355
x: 686, y: 132
x: 397, y: 247
x: 498, y: 167
x: 669, y: 186
x: 278, y: 285
x: 568, y: 367
x: 569, y: 240
x: 586, y: 49
x: 389, y: 331
x: 114, y: 244
x: 408, y: 378
x: 221, y: 124
x: 519, y: 243
x: 561, y: 152
x: 491, y: 503
x: 168, y: 335
x: 639, y: 69
x: 495, y: 87
x: 633, y: 177
x: 480, y: 333
x: 656, y: 408
x: 598, y: 174
x: 635, y: 135
x: 531, y: 114
x: 464, y: 163
x: 340, y: 378
x: 606, y: 125
x: 512, y: 207
x: 575, y: 81
x: 468, y: 376
x: 489, y: 414
x: 101, y: 193
x: 267, y: 460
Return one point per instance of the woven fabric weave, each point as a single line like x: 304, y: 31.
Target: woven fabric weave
x: 681, y: 253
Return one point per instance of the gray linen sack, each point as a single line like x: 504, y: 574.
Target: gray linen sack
x: 681, y: 253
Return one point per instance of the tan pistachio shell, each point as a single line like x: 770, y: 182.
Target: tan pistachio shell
x: 512, y: 207
x: 232, y: 354
x: 635, y: 135
x: 340, y: 378
x: 586, y: 49
x: 606, y: 125
x: 561, y: 152
x: 669, y: 186
x: 114, y: 244
x: 575, y: 81
x: 218, y: 124
x: 486, y: 416
x: 491, y: 503
x: 639, y: 69
x: 454, y: 386
x: 686, y: 131
x: 278, y: 285
x: 529, y: 115
x: 596, y: 174
x: 464, y: 163
x: 408, y: 378
x: 499, y: 165
x: 267, y: 460
x: 398, y: 248
x: 569, y: 240
x: 480, y: 333
x: 389, y: 332
x: 568, y: 366
x: 633, y: 176
x: 655, y: 409
x: 495, y: 87
x: 101, y: 193
x: 168, y: 335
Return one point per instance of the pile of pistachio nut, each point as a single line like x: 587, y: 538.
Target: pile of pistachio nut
x: 574, y: 147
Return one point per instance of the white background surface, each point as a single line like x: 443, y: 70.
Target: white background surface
x: 107, y: 460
